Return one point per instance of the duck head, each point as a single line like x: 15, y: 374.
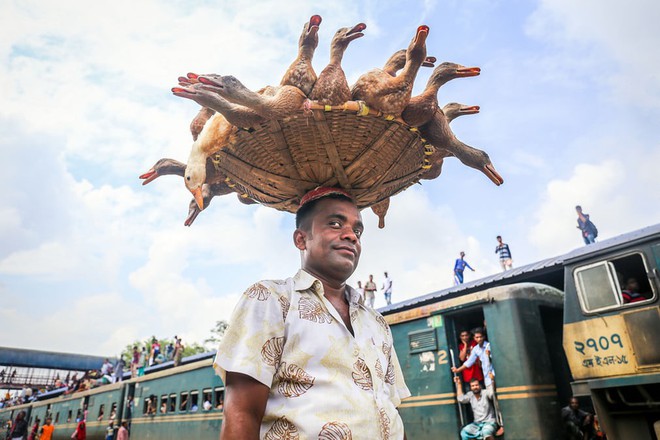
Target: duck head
x: 309, y: 37
x: 345, y: 35
x: 162, y: 167
x: 453, y: 110
x: 447, y: 71
x: 194, y: 178
x: 416, y: 51
x: 480, y: 161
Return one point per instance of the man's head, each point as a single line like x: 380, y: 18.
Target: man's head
x: 462, y: 254
x: 466, y: 336
x: 371, y: 277
x: 385, y: 273
x: 632, y: 285
x: 578, y: 208
x: 475, y: 386
x: 48, y: 421
x: 360, y: 284
x: 479, y: 336
x: 499, y: 239
x: 574, y: 404
x: 328, y: 230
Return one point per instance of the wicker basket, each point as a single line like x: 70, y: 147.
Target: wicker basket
x: 371, y: 156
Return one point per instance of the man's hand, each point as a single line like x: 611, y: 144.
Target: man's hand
x: 491, y: 375
x: 457, y: 380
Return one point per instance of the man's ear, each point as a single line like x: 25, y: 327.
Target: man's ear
x: 300, y: 239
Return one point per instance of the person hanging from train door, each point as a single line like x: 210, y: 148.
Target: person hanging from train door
x: 481, y: 352
x: 484, y: 425
x: 464, y: 351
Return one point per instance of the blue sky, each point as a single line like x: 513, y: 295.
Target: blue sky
x: 90, y: 259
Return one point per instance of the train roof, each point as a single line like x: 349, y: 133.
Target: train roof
x: 549, y: 271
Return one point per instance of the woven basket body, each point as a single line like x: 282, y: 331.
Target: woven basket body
x: 370, y: 156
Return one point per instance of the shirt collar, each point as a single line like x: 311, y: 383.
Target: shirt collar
x: 305, y: 281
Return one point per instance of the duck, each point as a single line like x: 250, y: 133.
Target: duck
x: 331, y: 87
x: 453, y: 110
x: 163, y: 167
x: 301, y: 73
x: 208, y: 98
x: 422, y: 107
x: 380, y: 209
x: 398, y: 60
x: 215, y: 135
x: 390, y: 94
x: 438, y: 134
x: 285, y: 100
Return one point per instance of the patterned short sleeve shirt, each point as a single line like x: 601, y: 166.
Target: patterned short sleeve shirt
x: 324, y: 382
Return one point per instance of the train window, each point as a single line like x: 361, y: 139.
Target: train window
x: 194, y: 401
x: 172, y: 402
x: 68, y: 419
x: 150, y: 405
x: 219, y: 401
x: 57, y: 417
x: 207, y: 396
x: 113, y: 411
x: 101, y: 409
x: 613, y: 283
x: 163, y: 404
x: 422, y: 340
x: 183, y: 405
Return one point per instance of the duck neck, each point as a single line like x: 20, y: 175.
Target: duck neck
x: 336, y: 55
x: 306, y: 53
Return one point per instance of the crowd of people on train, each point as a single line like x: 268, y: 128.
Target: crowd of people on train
x: 107, y: 373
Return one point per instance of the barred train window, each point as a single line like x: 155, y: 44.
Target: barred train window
x: 207, y: 397
x: 614, y: 283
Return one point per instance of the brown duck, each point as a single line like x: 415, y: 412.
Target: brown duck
x: 285, y: 101
x: 438, y: 134
x: 389, y: 94
x: 301, y: 73
x: 453, y: 110
x: 422, y: 107
x: 331, y: 87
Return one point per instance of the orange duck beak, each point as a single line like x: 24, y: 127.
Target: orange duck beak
x: 197, y: 194
x: 314, y: 23
x: 429, y: 62
x: 465, y: 72
x: 490, y: 172
x: 469, y: 110
x: 149, y: 176
x: 422, y: 33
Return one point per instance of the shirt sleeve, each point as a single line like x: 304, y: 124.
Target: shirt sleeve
x: 471, y: 360
x: 400, y: 387
x: 464, y: 398
x: 256, y: 330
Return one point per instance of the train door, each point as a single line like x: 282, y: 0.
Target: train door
x: 459, y: 323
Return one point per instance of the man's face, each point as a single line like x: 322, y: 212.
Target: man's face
x: 331, y: 247
x: 465, y: 337
x: 475, y: 387
x: 632, y: 285
x: 574, y: 404
x: 479, y: 338
x: 499, y: 240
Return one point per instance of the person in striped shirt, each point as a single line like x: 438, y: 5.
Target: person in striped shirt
x: 505, y: 254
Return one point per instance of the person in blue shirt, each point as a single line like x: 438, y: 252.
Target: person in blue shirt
x: 459, y: 267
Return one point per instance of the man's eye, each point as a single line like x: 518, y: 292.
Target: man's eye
x: 357, y: 233
x: 335, y: 223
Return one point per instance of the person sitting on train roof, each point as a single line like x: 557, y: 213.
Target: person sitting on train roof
x: 310, y: 342
x: 630, y: 292
x: 577, y: 423
x: 464, y: 351
x: 484, y: 425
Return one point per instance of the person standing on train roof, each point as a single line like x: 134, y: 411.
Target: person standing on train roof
x: 464, y: 350
x: 484, y: 425
x: 459, y: 267
x: 387, y: 288
x: 506, y: 262
x: 370, y: 291
x: 589, y: 230
x: 310, y: 342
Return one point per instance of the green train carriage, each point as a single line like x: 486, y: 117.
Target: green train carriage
x: 523, y: 324
x: 612, y: 345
